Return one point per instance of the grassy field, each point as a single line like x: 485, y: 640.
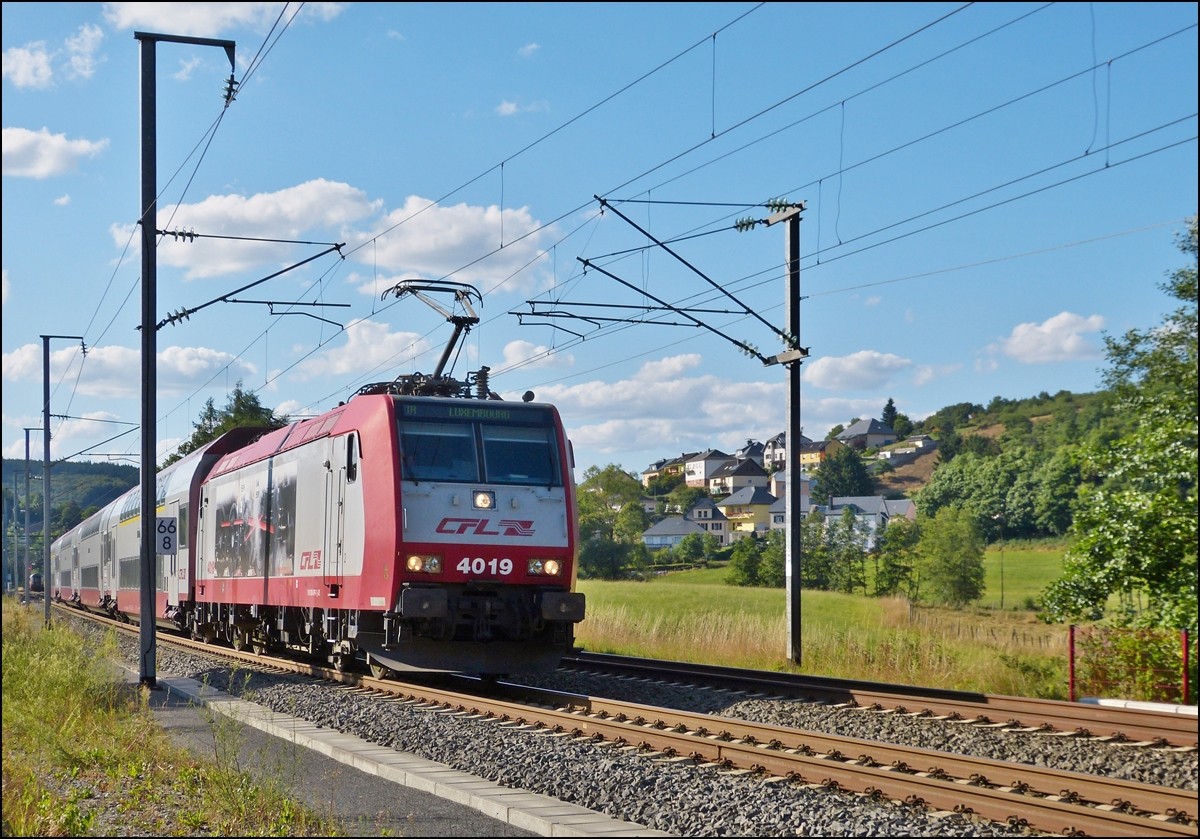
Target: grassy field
x: 83, y: 755
x: 694, y: 616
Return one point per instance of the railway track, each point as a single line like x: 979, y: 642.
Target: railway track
x: 1128, y: 726
x: 1040, y: 798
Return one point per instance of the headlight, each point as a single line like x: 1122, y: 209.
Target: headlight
x: 484, y: 499
x: 424, y: 564
x: 544, y: 567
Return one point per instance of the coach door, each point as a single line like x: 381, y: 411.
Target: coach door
x: 174, y: 565
x: 335, y: 515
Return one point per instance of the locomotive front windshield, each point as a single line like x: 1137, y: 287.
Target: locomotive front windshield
x: 462, y: 443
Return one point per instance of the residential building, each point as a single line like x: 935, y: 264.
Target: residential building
x: 667, y: 466
x: 748, y: 511
x: 812, y: 455
x: 867, y: 434
x: 775, y: 451
x: 874, y: 512
x: 736, y: 474
x: 704, y: 517
x: 670, y: 532
x: 753, y: 450
x: 699, y: 467
x: 778, y: 488
x: 706, y: 514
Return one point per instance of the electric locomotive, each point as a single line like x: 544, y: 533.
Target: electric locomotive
x: 424, y: 525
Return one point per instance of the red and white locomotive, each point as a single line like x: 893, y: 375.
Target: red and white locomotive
x: 425, y: 524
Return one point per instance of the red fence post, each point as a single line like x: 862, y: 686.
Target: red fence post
x: 1071, y: 663
x: 1184, y: 641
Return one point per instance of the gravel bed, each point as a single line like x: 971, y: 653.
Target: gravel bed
x: 669, y: 796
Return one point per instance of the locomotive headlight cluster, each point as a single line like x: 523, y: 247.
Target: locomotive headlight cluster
x: 484, y: 499
x: 544, y: 567
x: 424, y: 563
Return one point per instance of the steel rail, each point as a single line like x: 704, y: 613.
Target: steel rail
x: 1117, y: 724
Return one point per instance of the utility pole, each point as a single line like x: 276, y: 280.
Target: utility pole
x: 26, y: 529
x: 792, y: 359
x: 46, y: 464
x: 148, y: 220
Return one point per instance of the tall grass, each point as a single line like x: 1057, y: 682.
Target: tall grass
x: 694, y: 616
x: 83, y: 754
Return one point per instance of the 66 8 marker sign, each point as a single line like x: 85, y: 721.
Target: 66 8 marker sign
x: 165, y: 532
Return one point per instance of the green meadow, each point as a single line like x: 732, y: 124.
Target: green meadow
x: 694, y: 616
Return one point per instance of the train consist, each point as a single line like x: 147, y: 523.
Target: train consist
x: 425, y: 524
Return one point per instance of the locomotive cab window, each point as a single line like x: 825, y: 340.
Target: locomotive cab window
x: 519, y: 455
x: 438, y: 451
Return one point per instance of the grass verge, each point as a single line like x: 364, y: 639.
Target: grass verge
x: 83, y: 755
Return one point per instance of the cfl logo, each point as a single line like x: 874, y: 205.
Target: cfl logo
x: 479, y: 527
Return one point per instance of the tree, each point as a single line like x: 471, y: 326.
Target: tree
x: 744, y: 562
x: 684, y: 497
x: 888, y: 417
x: 1136, y: 521
x: 603, y: 559
x: 841, y: 474
x: 848, y: 554
x: 661, y: 485
x: 772, y: 570
x: 897, y: 558
x: 690, y: 549
x: 242, y: 409
x: 611, y: 522
x: 815, y: 556
x: 951, y: 558
x: 631, y: 523
x: 903, y: 426
x: 602, y: 494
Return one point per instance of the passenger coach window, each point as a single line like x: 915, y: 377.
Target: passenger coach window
x: 519, y: 455
x: 438, y: 451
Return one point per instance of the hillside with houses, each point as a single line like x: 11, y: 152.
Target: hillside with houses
x: 1013, y: 465
x: 743, y: 493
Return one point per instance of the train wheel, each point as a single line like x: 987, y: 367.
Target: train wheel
x: 380, y: 671
x: 241, y: 640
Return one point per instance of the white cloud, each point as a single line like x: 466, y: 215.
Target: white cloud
x: 926, y: 373
x: 81, y: 52
x: 4, y: 287
x: 428, y: 240
x: 28, y: 66
x: 508, y: 109
x: 306, y: 211
x: 660, y: 409
x: 40, y: 154
x: 1060, y: 338
x: 528, y: 50
x: 668, y: 368
x: 369, y: 345
x: 209, y: 20
x: 863, y: 370
x: 186, y: 67
x: 62, y: 200
x: 528, y: 355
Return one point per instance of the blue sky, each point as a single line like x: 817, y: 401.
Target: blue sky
x: 990, y: 189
